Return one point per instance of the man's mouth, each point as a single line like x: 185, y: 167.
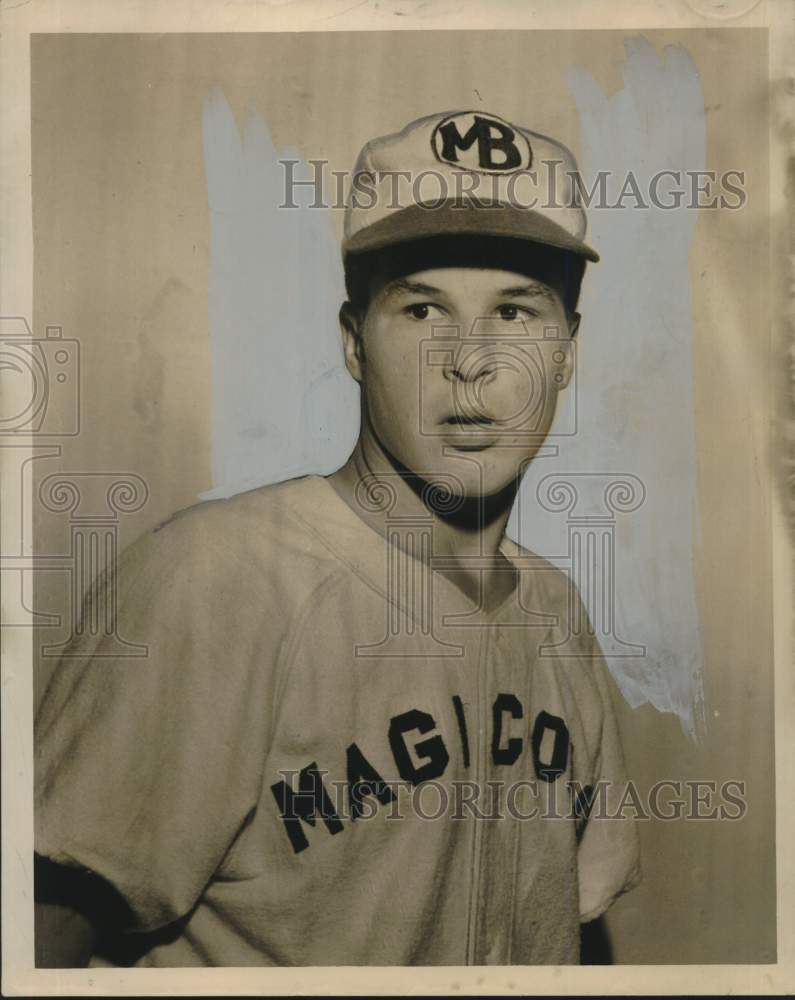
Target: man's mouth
x: 461, y: 420
x: 470, y: 432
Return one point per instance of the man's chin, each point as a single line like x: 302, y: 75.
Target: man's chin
x: 470, y: 475
x: 472, y: 482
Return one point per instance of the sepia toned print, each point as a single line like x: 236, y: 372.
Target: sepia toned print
x: 301, y: 615
x: 382, y: 605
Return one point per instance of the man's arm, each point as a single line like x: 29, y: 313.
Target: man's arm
x: 65, y: 938
x: 71, y: 905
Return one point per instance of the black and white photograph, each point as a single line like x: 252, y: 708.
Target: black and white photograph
x: 396, y: 537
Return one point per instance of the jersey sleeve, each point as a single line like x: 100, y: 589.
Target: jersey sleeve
x: 608, y: 856
x: 147, y: 766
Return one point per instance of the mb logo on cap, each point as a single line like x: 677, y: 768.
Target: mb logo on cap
x: 464, y: 173
x: 481, y: 142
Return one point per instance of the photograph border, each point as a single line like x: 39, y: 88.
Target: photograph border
x: 18, y: 20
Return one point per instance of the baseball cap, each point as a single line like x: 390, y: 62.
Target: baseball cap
x: 464, y: 173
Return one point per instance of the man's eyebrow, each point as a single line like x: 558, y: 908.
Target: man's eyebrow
x: 410, y: 287
x: 532, y: 289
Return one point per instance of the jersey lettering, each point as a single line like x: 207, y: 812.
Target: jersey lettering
x: 309, y: 801
x: 433, y: 748
x: 418, y: 760
x: 505, y: 704
x: 553, y: 769
x: 363, y: 779
x: 461, y: 719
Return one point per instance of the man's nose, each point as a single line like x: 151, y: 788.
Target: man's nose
x: 469, y: 364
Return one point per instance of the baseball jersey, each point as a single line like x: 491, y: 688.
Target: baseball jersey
x: 330, y: 755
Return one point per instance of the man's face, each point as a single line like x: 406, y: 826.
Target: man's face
x: 460, y: 369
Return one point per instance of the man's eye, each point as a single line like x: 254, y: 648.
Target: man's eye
x: 511, y: 312
x: 419, y: 310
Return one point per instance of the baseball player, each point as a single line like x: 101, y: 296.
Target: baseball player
x: 370, y: 729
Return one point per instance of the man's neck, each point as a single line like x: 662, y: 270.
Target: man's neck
x: 377, y: 492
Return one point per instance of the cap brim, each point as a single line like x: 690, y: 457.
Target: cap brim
x: 457, y: 218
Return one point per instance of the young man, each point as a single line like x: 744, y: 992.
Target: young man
x: 352, y: 741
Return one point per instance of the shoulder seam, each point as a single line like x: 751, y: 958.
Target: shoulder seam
x: 286, y: 659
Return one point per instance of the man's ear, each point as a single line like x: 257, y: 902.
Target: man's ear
x: 352, y: 344
x: 564, y: 371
